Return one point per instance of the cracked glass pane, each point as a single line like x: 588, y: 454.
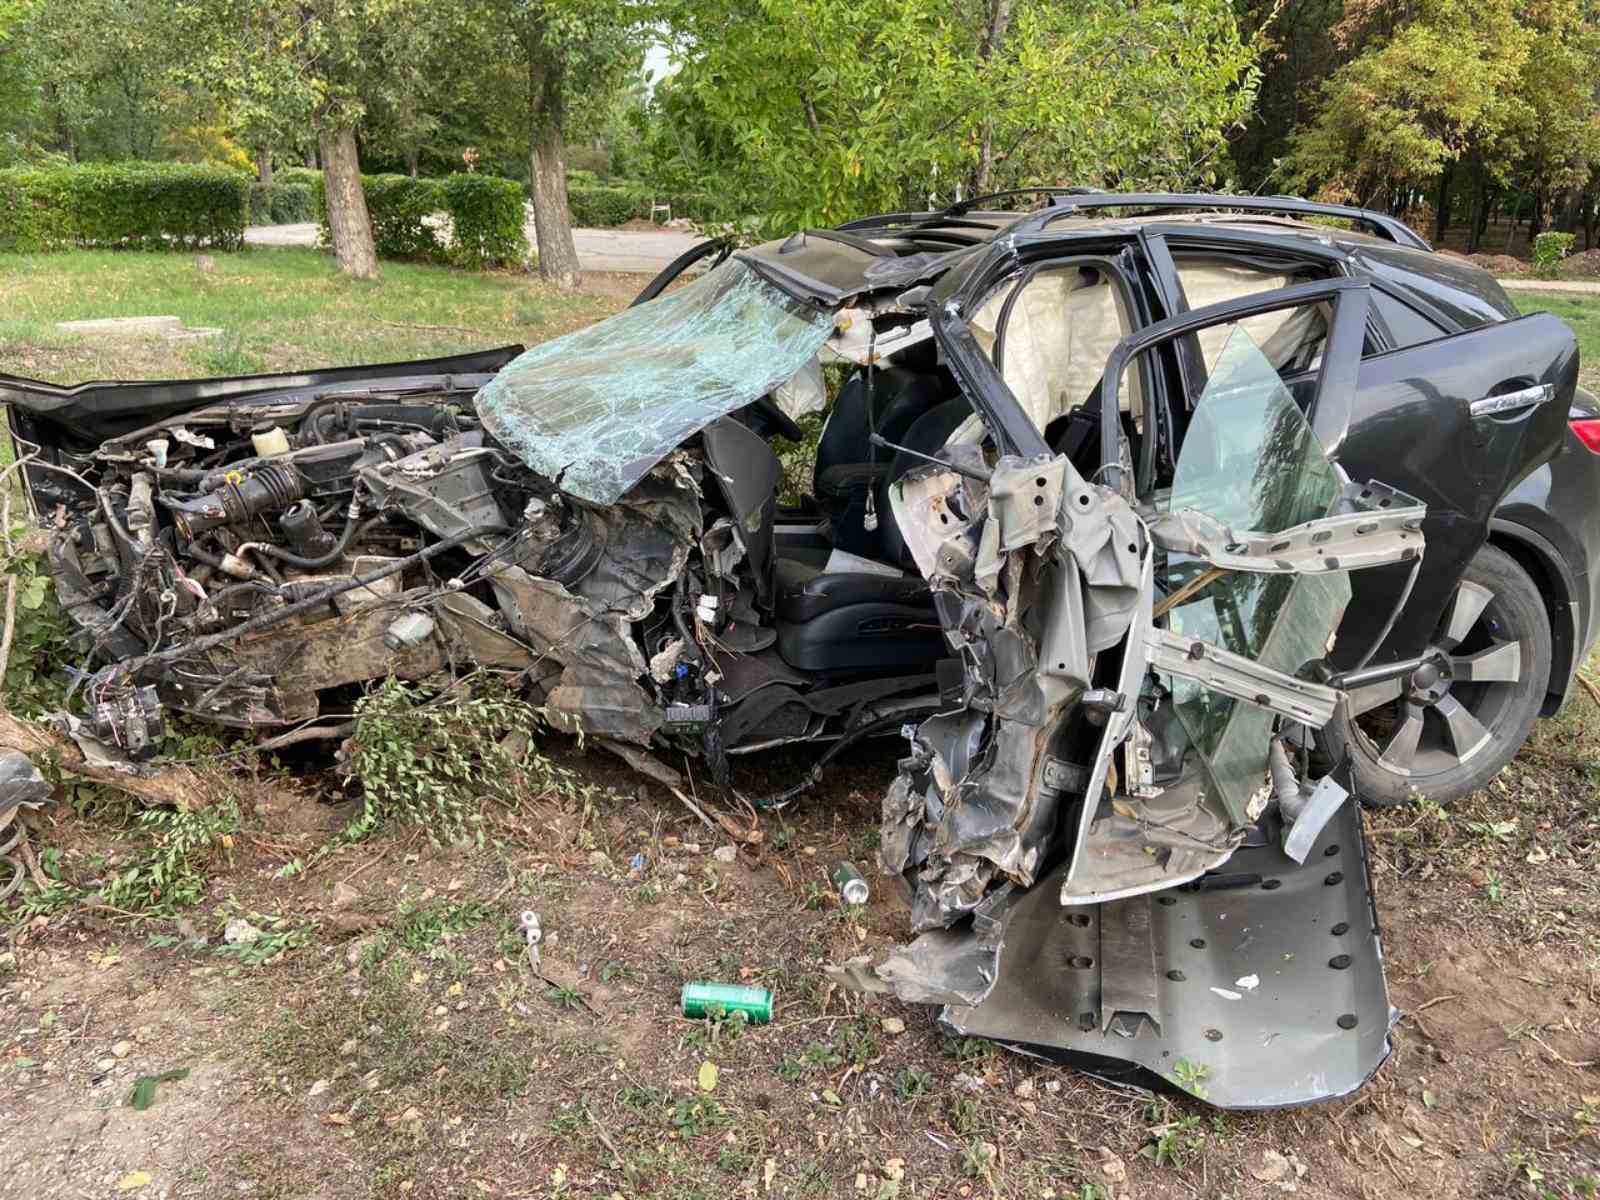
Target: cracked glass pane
x: 598, y: 408
x: 1250, y: 460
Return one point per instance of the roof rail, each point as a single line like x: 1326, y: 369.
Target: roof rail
x: 1379, y: 224
x: 962, y: 207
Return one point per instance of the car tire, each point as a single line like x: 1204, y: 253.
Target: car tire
x: 1446, y: 730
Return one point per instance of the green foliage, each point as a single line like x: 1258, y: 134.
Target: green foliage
x: 1413, y: 100
x: 34, y: 679
x: 816, y: 111
x: 1174, y: 1137
x: 486, y: 221
x: 1548, y: 251
x: 280, y: 203
x: 1503, y: 87
x: 138, y: 206
x: 31, y: 216
x: 431, y: 760
x: 279, y: 935
x: 170, y: 873
x: 485, y: 212
x: 601, y: 206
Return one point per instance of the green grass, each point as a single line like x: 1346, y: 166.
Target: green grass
x: 278, y: 309
x: 1583, y: 314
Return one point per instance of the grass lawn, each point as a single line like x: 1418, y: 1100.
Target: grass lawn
x: 1583, y: 314
x: 277, y: 308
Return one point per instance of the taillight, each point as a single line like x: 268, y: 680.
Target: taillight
x: 1588, y: 431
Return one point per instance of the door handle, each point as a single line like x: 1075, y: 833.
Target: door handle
x: 1489, y: 406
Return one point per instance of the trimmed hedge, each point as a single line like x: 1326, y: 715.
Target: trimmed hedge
x: 617, y: 203
x: 280, y: 203
x: 487, y: 220
x: 32, y: 216
x: 1548, y: 251
x: 143, y: 206
x: 602, y: 206
x: 485, y: 216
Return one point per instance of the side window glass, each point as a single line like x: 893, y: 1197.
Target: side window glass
x: 1249, y: 461
x: 1049, y: 336
x: 1406, y: 325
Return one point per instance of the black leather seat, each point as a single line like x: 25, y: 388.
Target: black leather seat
x: 804, y: 592
x: 854, y: 622
x: 847, y: 471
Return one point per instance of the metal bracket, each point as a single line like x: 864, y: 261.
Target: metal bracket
x: 1242, y: 678
x: 1373, y: 525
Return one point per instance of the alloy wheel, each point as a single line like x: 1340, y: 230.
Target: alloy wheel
x: 1442, y: 714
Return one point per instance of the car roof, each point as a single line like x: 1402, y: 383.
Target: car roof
x: 903, y: 248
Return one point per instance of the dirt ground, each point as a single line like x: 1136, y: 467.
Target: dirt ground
x: 388, y: 1037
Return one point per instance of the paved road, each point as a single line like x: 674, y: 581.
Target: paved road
x: 1575, y: 287
x: 598, y: 249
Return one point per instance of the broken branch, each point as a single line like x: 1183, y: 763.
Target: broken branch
x: 175, y: 787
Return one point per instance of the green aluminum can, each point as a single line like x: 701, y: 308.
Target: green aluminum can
x: 701, y: 999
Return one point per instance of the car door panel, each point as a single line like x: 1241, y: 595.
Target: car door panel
x: 1413, y: 425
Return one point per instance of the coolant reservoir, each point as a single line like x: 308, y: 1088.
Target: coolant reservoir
x: 270, y: 442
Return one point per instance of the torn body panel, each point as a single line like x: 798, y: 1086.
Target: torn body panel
x: 1182, y: 649
x: 1264, y: 989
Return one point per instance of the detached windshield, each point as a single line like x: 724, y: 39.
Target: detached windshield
x: 598, y: 408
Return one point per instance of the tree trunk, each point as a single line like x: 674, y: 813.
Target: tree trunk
x: 411, y: 163
x: 264, y: 165
x: 547, y: 176
x: 1441, y: 208
x: 994, y: 34
x: 311, y: 157
x: 1480, y: 224
x: 347, y: 205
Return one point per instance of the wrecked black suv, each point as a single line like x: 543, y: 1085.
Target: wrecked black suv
x: 1158, y: 526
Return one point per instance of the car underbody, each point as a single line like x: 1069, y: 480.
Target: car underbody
x: 1116, y: 839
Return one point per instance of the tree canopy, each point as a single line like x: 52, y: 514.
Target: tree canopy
x: 783, y: 113
x: 813, y: 110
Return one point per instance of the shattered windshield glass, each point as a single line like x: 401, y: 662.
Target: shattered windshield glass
x: 1250, y: 460
x: 598, y: 408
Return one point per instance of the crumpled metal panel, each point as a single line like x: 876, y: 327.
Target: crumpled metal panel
x: 596, y: 409
x: 1264, y: 994
x: 21, y: 785
x: 1056, y: 557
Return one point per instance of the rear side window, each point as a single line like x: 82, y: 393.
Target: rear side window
x: 1407, y: 327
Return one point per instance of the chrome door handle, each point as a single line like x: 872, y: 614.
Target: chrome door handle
x: 1489, y: 406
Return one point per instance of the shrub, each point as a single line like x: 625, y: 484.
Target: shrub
x: 603, y: 206
x: 33, y: 216
x: 144, y: 206
x: 485, y: 211
x: 281, y: 203
x: 487, y: 220
x: 1548, y: 251
x: 399, y: 207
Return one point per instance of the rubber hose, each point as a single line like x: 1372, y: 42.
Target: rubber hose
x: 350, y: 533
